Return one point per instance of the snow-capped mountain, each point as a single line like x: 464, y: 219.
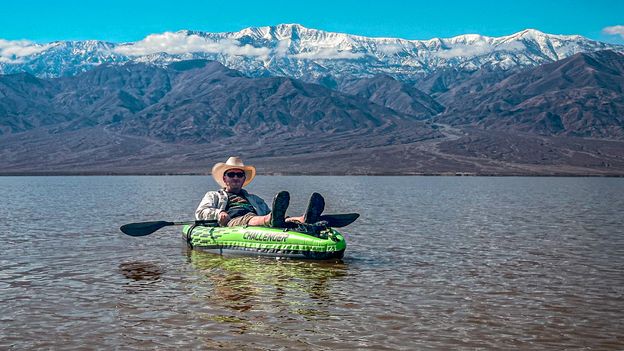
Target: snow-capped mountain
x: 57, y: 59
x: 295, y: 51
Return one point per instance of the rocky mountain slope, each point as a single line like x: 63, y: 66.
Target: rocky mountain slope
x: 137, y: 111
x: 387, y: 91
x: 582, y: 95
x: 191, y: 101
x: 141, y: 118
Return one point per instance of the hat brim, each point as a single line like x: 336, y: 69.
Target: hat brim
x: 220, y: 168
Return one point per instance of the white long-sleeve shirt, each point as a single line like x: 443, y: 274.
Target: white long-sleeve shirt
x: 214, y: 202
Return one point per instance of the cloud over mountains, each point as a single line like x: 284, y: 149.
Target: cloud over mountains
x: 180, y: 43
x: 306, y: 53
x: 614, y: 30
x: 175, y: 43
x: 480, y: 48
x: 13, y: 51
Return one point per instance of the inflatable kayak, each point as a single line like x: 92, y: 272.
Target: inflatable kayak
x: 319, y: 244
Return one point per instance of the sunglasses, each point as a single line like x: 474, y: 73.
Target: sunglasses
x: 235, y: 174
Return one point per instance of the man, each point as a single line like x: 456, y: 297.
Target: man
x: 234, y: 206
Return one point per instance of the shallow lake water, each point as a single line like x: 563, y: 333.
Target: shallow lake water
x: 434, y: 263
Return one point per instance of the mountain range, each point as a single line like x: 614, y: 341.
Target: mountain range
x: 295, y: 51
x: 299, y: 100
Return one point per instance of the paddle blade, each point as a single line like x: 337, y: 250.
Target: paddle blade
x: 339, y: 220
x: 143, y: 228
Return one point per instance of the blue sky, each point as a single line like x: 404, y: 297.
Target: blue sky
x: 120, y: 21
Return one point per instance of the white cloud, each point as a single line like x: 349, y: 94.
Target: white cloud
x: 390, y: 49
x: 328, y: 54
x: 180, y: 43
x: 478, y: 49
x: 512, y: 46
x: 317, y: 53
x: 282, y: 47
x: 14, y: 51
x: 8, y: 60
x: 614, y: 30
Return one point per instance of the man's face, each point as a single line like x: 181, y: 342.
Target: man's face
x: 234, y: 179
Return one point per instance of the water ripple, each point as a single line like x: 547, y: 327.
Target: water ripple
x: 433, y: 263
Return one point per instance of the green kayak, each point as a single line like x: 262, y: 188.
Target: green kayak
x: 318, y: 244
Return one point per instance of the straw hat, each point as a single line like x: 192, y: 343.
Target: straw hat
x: 219, y: 169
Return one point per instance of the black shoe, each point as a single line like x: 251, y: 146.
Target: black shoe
x: 316, y: 206
x: 278, y: 210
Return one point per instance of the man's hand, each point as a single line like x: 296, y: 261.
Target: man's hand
x: 223, y: 218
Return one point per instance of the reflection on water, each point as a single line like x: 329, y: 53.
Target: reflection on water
x: 240, y: 282
x: 141, y: 275
x: 434, y: 263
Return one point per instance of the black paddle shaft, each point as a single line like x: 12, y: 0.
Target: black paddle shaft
x: 147, y: 228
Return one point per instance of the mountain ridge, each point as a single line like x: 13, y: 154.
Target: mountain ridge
x: 139, y: 118
x: 305, y: 53
x: 146, y: 100
x: 582, y: 95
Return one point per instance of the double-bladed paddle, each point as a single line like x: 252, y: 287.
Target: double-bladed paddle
x: 147, y: 228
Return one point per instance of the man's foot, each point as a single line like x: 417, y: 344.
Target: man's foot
x: 315, y: 208
x: 278, y: 210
